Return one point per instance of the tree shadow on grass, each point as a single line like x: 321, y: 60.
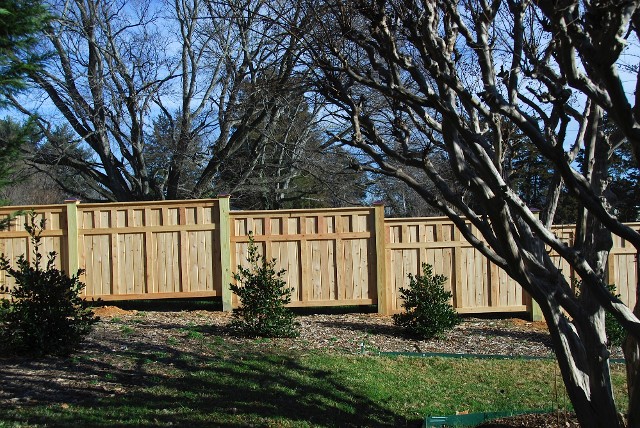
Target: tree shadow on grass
x: 182, y: 388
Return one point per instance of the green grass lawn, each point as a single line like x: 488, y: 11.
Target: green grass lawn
x: 236, y: 386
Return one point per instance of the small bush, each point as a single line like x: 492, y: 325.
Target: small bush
x: 428, y: 312
x: 44, y: 314
x: 614, y: 330
x: 263, y: 295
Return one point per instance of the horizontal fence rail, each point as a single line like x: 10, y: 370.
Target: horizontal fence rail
x: 331, y: 257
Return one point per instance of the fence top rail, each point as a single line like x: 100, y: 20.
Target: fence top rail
x: 444, y: 219
x: 299, y: 212
x: 417, y: 219
x: 10, y: 209
x: 146, y: 204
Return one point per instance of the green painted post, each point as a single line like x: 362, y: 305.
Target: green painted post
x: 225, y: 252
x: 535, y: 313
x: 73, y: 261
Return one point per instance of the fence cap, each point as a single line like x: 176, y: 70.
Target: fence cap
x: 224, y: 195
x: 379, y: 202
x: 72, y: 201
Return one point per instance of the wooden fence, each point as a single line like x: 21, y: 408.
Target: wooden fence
x: 143, y: 250
x: 332, y: 257
x: 477, y: 285
x: 329, y: 255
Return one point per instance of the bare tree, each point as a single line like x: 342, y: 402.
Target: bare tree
x: 236, y: 77
x: 208, y: 71
x: 292, y: 167
x: 412, y: 78
x: 104, y: 69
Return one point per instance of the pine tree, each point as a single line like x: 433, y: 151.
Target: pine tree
x: 20, y: 21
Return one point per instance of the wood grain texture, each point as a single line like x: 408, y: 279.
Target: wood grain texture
x: 150, y: 248
x: 477, y: 285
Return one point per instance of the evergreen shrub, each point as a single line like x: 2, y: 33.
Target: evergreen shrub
x: 44, y: 314
x: 263, y: 295
x: 428, y: 311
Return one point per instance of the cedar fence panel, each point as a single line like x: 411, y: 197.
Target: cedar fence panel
x: 328, y: 254
x: 476, y: 284
x: 139, y: 250
x: 150, y: 250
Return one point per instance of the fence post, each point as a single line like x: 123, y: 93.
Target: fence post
x: 535, y: 313
x: 384, y: 302
x: 73, y: 256
x: 225, y: 251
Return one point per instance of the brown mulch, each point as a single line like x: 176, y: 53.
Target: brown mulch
x: 24, y: 382
x: 352, y: 333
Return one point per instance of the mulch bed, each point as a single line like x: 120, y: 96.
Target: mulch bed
x: 547, y: 420
x: 23, y: 382
x: 352, y: 333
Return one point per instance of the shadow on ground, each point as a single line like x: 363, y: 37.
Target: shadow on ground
x: 370, y: 328
x: 117, y: 384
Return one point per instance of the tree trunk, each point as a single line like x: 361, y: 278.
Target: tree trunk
x: 581, y: 367
x: 631, y: 349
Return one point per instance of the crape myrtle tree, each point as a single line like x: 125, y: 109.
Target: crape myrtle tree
x: 535, y: 180
x: 467, y: 78
x: 160, y: 93
x: 399, y: 199
x: 624, y: 173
